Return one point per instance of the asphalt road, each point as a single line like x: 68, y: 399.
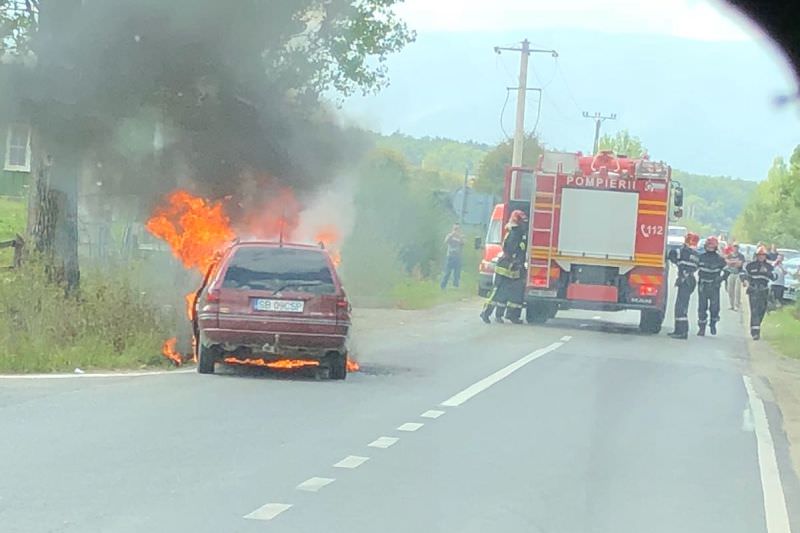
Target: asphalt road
x: 582, y: 425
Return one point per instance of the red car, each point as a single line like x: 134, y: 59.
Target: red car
x: 277, y: 305
x: 492, y: 248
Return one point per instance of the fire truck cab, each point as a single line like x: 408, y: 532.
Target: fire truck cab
x: 597, y: 234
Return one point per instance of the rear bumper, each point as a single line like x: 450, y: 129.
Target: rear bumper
x: 274, y: 345
x: 564, y: 303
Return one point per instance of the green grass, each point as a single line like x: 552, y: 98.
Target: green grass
x: 13, y: 216
x: 781, y: 329
x: 413, y: 294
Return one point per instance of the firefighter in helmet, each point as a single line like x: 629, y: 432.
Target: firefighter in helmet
x: 756, y: 277
x: 508, y: 275
x: 686, y: 260
x: 711, y: 274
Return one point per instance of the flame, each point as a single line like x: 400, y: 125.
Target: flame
x: 329, y: 237
x: 352, y: 365
x: 277, y: 214
x: 282, y: 364
x: 194, y: 228
x: 168, y: 350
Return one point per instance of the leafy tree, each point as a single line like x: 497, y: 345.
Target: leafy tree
x: 492, y: 169
x: 624, y: 143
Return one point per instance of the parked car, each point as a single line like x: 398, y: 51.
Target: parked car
x: 491, y: 249
x: 789, y: 253
x: 792, y: 279
x: 675, y: 237
x: 271, y: 303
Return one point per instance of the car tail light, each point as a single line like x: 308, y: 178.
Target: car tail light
x: 342, y: 308
x: 212, y: 296
x: 539, y: 282
x: 648, y: 290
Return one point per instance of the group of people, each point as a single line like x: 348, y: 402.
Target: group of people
x: 712, y: 271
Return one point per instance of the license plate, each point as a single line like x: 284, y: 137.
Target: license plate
x: 279, y: 306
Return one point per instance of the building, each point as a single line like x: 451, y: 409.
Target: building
x: 16, y: 171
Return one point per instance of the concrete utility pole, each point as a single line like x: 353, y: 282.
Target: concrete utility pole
x: 519, y: 129
x: 598, y: 119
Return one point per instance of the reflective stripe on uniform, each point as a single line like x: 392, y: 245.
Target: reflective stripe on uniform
x: 512, y: 305
x: 761, y: 277
x: 687, y: 262
x: 755, y: 327
x: 505, y: 272
x: 711, y: 270
x: 681, y: 319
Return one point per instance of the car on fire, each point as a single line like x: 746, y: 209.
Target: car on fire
x: 273, y: 304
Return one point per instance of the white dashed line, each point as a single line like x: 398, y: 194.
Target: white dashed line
x: 410, y: 426
x: 433, y: 413
x: 268, y: 511
x: 383, y: 442
x: 774, y: 498
x: 596, y: 317
x: 488, y: 381
x: 351, y: 461
x: 314, y: 484
x: 566, y: 338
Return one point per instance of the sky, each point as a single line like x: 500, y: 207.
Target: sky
x: 694, y: 79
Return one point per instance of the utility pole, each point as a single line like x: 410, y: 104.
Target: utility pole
x: 522, y: 89
x: 598, y: 119
x: 464, y: 195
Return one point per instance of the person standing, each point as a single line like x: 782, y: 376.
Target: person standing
x: 735, y: 261
x: 509, y: 269
x: 712, y: 272
x: 756, y: 277
x: 772, y: 255
x: 779, y: 285
x: 687, y: 261
x: 455, y: 248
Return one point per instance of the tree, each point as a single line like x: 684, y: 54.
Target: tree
x: 623, y: 143
x: 229, y: 88
x: 492, y: 169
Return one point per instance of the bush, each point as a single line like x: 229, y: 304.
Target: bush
x: 108, y: 325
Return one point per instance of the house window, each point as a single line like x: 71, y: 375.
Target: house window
x: 18, y: 148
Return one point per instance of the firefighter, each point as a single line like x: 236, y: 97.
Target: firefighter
x: 711, y: 274
x: 756, y: 277
x: 686, y: 260
x: 508, y: 273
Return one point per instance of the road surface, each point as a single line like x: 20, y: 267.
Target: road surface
x: 582, y: 425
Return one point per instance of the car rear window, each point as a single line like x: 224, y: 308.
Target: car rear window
x: 278, y: 269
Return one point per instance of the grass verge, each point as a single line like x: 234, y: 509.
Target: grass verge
x: 781, y: 329
x: 13, y: 214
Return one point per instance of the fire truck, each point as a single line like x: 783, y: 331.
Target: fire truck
x: 597, y: 233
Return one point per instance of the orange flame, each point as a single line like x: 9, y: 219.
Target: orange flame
x: 194, y: 228
x: 282, y: 364
x: 278, y: 214
x: 168, y: 350
x: 352, y: 365
x: 329, y: 237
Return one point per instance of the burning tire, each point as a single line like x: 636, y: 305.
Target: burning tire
x: 337, y: 365
x: 206, y: 358
x: 650, y: 321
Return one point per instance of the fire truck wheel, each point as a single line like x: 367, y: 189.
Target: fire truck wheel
x: 206, y: 357
x: 650, y: 321
x: 538, y: 312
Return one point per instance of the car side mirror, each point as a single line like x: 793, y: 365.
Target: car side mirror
x: 678, y: 212
x: 478, y: 243
x: 678, y: 198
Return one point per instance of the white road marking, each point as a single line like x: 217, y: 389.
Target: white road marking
x: 432, y: 413
x: 410, y: 426
x: 351, y: 461
x: 268, y: 511
x: 383, y: 442
x: 774, y: 499
x: 488, y: 381
x: 566, y: 338
x: 101, y: 375
x: 314, y: 484
x: 596, y: 317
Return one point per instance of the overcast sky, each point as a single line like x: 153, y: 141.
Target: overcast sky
x: 694, y: 79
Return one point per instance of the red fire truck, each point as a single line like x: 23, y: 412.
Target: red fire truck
x: 598, y: 233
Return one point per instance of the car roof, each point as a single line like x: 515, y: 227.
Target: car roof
x: 272, y: 244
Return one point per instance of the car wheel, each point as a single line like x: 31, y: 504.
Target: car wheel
x: 206, y: 357
x: 537, y: 312
x: 337, y: 366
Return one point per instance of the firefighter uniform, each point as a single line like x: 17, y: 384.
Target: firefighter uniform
x: 687, y: 262
x: 711, y: 273
x: 509, y: 281
x: 757, y: 274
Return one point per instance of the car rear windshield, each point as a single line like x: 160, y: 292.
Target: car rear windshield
x: 279, y: 269
x: 493, y: 236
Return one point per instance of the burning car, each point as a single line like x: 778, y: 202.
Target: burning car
x: 276, y: 305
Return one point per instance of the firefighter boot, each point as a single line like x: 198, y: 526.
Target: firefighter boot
x: 681, y: 331
x: 498, y: 315
x: 701, y: 329
x: 755, y: 333
x: 513, y: 314
x: 487, y: 313
x: 713, y: 327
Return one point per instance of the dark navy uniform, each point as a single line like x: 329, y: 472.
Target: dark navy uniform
x: 509, y: 282
x: 757, y: 274
x: 687, y: 261
x: 711, y: 273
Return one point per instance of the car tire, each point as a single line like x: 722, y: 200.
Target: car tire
x: 337, y: 366
x: 650, y: 321
x: 537, y: 312
x: 206, y: 359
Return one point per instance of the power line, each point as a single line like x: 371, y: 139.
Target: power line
x: 598, y: 120
x: 503, y: 112
x: 566, y: 85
